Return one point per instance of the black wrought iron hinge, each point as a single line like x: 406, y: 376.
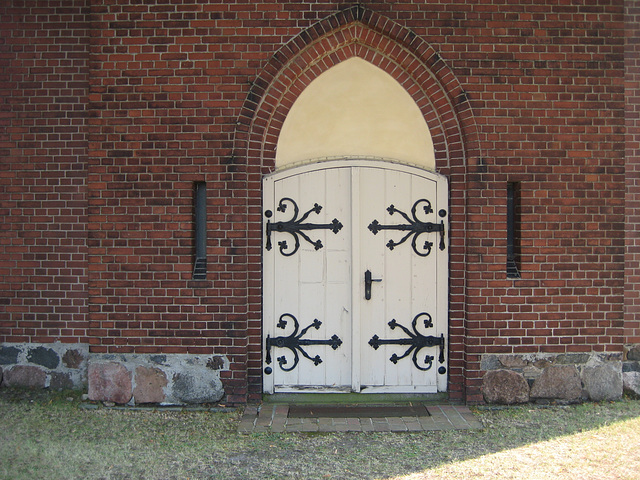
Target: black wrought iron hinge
x: 294, y: 342
x: 296, y: 228
x: 415, y: 227
x: 416, y: 342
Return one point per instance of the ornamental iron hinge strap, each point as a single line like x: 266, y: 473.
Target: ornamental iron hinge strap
x: 296, y: 228
x: 415, y: 227
x: 294, y: 342
x: 416, y: 342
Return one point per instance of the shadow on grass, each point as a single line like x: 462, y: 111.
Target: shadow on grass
x: 47, y: 435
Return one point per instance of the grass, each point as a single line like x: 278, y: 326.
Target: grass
x: 47, y: 436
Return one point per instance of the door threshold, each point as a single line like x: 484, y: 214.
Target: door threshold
x: 354, y: 398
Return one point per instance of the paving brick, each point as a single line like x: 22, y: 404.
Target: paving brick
x: 275, y: 419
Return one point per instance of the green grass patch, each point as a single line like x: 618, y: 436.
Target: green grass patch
x: 48, y: 436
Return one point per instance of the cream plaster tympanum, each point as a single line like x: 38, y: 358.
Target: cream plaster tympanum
x: 355, y: 109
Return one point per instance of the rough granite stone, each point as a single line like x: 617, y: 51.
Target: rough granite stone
x: 72, y: 358
x: 505, y: 387
x: 490, y: 362
x: 631, y: 383
x: 603, y: 382
x: 60, y: 381
x: 46, y: 357
x: 9, y: 355
x: 634, y: 353
x: 25, y: 376
x: 215, y: 363
x: 109, y: 382
x: 631, y: 367
x: 558, y: 382
x: 197, y: 388
x: 542, y: 363
x: 531, y: 373
x: 512, y: 361
x: 149, y: 385
x: 159, y: 359
x: 573, y: 358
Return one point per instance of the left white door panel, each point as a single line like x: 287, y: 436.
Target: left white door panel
x: 311, y: 284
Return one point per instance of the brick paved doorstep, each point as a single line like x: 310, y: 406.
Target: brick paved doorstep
x: 274, y: 418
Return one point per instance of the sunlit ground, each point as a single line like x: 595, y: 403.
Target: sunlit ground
x: 611, y: 452
x: 49, y: 435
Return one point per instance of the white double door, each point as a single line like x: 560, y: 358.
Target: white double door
x: 330, y: 326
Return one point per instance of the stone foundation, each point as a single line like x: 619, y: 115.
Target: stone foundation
x: 549, y: 378
x: 53, y: 365
x: 119, y: 378
x: 631, y: 370
x: 159, y: 379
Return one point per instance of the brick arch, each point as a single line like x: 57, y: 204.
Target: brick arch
x: 434, y: 87
x: 363, y: 33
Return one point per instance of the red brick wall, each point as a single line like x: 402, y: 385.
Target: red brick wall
x: 546, y: 86
x: 44, y: 78
x: 632, y: 91
x: 184, y: 91
x: 167, y: 84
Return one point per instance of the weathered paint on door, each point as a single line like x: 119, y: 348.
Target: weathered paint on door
x: 322, y: 285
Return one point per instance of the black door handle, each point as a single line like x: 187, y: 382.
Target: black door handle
x: 367, y: 284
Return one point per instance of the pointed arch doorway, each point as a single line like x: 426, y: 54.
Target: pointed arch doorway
x: 355, y: 277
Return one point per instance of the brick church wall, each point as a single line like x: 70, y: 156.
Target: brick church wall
x: 110, y: 123
x: 44, y: 81
x: 632, y: 153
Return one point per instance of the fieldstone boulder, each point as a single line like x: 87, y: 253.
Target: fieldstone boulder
x: 631, y: 383
x: 603, y: 381
x: 505, y: 387
x: 558, y: 382
x: 8, y: 355
x: 72, y: 358
x: 60, y: 381
x: 512, y: 361
x: 109, y: 382
x: 197, y: 387
x: 25, y: 376
x: 634, y: 353
x: 149, y: 385
x: 490, y: 362
x: 46, y: 357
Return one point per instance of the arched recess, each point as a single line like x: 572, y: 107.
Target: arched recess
x: 355, y: 110
x: 445, y: 106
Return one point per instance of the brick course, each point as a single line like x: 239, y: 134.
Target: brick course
x: 632, y: 153
x: 44, y: 80
x: 184, y: 91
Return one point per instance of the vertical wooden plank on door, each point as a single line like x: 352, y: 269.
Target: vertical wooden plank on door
x: 400, y: 276
x: 268, y: 286
x: 423, y: 295
x: 356, y: 281
x: 287, y: 280
x: 337, y: 297
x: 311, y: 274
x: 442, y: 274
x: 371, y: 256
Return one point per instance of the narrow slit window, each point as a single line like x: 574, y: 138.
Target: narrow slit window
x: 200, y: 230
x: 513, y: 230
